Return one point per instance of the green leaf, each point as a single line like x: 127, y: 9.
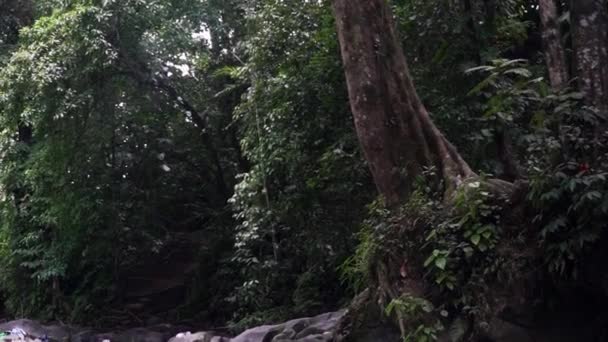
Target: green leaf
x: 482, y: 85
x: 480, y: 68
x: 441, y: 262
x: 429, y: 260
x: 514, y: 61
x: 475, y: 239
x: 519, y: 71
x: 432, y: 235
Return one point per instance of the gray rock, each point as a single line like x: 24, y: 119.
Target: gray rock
x: 30, y: 327
x: 189, y: 337
x: 318, y: 328
x: 34, y: 329
x: 315, y: 338
x: 287, y: 334
x: 309, y: 331
x: 220, y: 339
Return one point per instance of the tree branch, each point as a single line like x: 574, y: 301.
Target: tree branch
x: 142, y: 74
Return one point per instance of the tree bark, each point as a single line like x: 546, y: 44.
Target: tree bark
x: 504, y: 146
x: 490, y: 9
x: 555, y: 56
x: 394, y: 128
x: 472, y: 30
x: 590, y: 43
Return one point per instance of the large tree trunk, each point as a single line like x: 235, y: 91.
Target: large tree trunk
x: 398, y: 138
x: 590, y: 43
x: 394, y: 128
x: 555, y: 56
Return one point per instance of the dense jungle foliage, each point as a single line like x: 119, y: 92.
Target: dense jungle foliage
x: 132, y: 128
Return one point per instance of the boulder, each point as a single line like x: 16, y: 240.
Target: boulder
x: 198, y: 337
x: 34, y: 329
x: 318, y: 328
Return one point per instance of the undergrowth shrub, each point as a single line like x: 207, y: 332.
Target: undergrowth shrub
x: 565, y: 147
x: 569, y: 184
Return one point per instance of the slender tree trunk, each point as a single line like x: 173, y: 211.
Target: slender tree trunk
x: 590, y: 43
x: 504, y: 146
x: 555, y: 56
x: 394, y: 128
x: 472, y: 31
x: 490, y: 9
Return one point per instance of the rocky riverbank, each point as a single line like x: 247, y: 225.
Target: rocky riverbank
x: 319, y: 328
